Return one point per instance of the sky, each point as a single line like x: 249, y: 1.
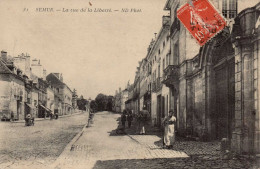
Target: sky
x: 95, y: 52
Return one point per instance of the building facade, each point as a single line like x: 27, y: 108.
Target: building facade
x: 214, y: 86
x: 12, y: 90
x: 62, y: 94
x: 214, y: 89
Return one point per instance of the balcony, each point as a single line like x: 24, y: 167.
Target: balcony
x: 175, y: 26
x: 171, y: 75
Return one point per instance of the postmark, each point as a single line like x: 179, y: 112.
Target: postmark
x: 202, y: 20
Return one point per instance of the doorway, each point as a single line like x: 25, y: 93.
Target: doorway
x: 225, y: 100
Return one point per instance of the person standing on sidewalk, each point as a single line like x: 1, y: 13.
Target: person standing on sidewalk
x: 145, y: 116
x: 123, y: 119
x: 169, y: 133
x: 12, y: 116
x: 129, y: 119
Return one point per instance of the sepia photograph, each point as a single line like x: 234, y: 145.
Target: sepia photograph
x: 137, y: 84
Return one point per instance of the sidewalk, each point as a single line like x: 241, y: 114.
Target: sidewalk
x: 48, y: 118
x: 201, y: 154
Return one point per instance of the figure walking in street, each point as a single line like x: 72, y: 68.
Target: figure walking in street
x: 51, y: 115
x: 29, y: 120
x: 123, y: 119
x: 56, y: 115
x: 169, y: 133
x: 129, y: 119
x: 12, y: 116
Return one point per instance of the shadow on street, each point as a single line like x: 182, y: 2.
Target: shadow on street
x: 194, y: 161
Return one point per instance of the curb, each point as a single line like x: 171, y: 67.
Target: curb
x: 133, y: 139
x: 68, y: 147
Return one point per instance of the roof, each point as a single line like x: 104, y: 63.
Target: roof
x: 166, y: 7
x: 54, y: 80
x: 4, y: 69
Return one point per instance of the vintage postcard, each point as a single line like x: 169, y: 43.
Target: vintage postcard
x: 137, y: 84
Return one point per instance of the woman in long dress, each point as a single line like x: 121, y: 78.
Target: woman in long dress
x: 145, y: 116
x: 169, y: 133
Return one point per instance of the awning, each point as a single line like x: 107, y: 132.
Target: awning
x: 29, y: 105
x: 49, y: 110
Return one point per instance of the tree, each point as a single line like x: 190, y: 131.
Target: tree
x: 93, y: 105
x: 110, y: 103
x: 104, y: 102
x: 81, y: 103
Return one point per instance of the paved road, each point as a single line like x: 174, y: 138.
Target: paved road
x: 37, y: 146
x: 99, y: 147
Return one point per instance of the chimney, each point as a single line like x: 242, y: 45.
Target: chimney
x: 27, y: 65
x: 34, y: 62
x: 119, y: 89
x: 4, y: 56
x: 44, y: 74
x: 61, y: 78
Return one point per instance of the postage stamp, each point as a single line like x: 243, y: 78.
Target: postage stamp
x: 201, y: 19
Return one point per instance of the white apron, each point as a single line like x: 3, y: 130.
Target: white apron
x: 169, y: 134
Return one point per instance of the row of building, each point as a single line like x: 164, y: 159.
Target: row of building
x: 26, y: 88
x: 214, y: 89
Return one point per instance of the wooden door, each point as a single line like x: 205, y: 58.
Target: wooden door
x: 222, y: 103
x: 225, y: 101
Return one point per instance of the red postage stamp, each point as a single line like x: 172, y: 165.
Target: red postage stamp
x: 202, y: 20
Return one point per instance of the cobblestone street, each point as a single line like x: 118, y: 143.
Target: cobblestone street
x: 100, y: 147
x: 37, y: 146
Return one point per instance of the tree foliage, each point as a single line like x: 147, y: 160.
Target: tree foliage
x: 102, y: 103
x: 82, y: 103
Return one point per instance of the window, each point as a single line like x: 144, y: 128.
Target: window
x: 159, y: 67
x: 167, y: 59
x: 159, y: 51
x: 176, y: 52
x: 163, y: 63
x: 163, y: 43
x: 229, y: 8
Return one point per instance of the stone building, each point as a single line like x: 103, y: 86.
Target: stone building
x: 158, y: 58
x: 62, y: 94
x: 143, y: 82
x: 245, y: 38
x: 50, y: 98
x: 23, y: 63
x: 43, y: 110
x: 136, y: 91
x: 37, y: 69
x: 214, y: 88
x: 124, y: 98
x: 117, y: 101
x: 12, y: 89
x: 129, y: 104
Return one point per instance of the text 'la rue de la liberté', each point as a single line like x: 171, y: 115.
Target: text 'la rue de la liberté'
x: 101, y: 10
